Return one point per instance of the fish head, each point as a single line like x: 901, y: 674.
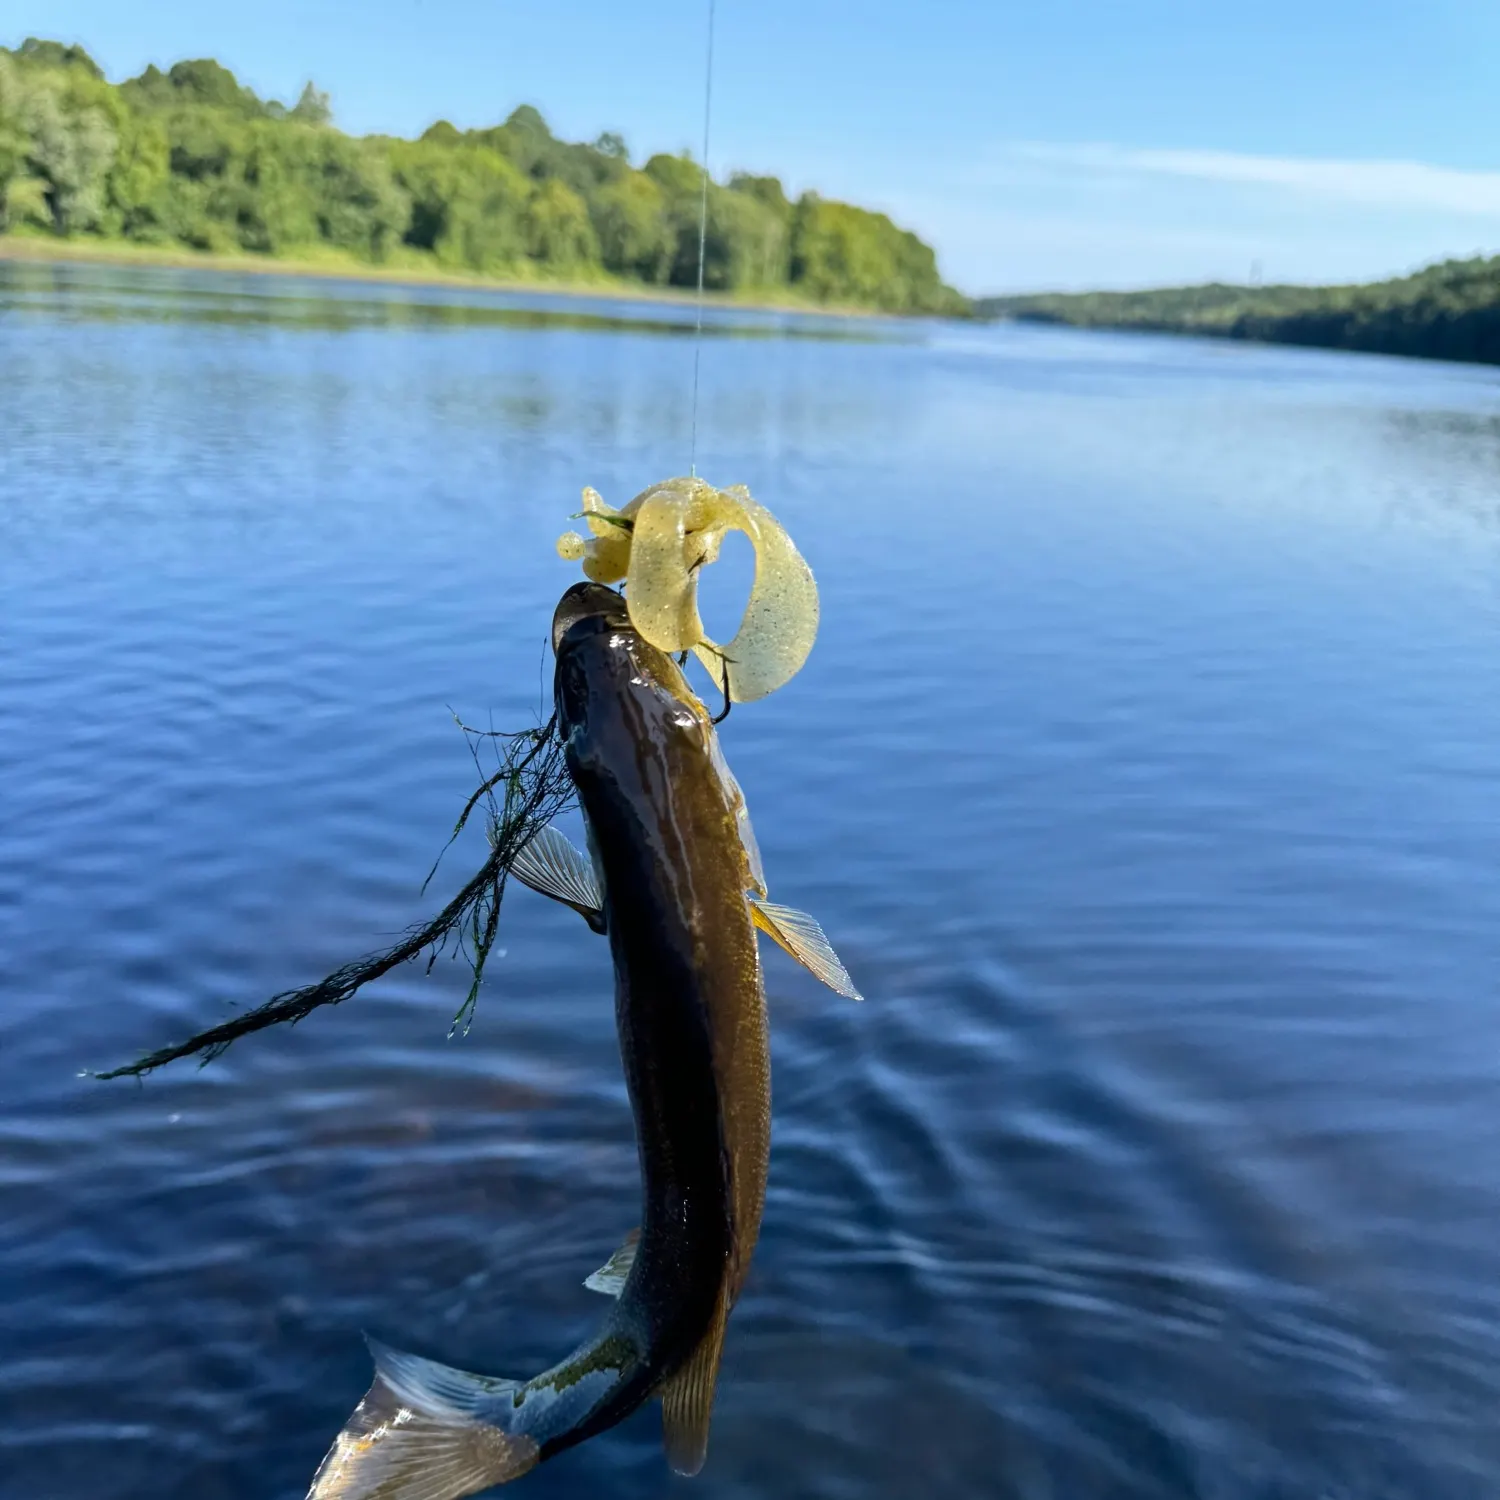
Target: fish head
x: 586, y: 602
x: 604, y: 663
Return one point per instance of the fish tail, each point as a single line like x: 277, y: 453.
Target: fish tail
x: 424, y: 1431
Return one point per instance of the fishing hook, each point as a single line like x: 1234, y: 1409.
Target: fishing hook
x: 727, y: 704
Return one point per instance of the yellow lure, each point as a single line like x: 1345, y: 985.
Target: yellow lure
x: 658, y: 542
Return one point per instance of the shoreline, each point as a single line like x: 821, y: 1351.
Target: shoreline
x: 1447, y: 311
x: 43, y: 250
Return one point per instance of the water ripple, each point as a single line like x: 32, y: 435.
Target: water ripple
x: 1143, y: 776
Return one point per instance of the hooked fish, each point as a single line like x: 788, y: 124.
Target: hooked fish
x: 673, y: 878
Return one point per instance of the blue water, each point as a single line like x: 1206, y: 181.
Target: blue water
x: 1146, y: 774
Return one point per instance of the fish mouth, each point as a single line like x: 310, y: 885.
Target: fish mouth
x: 585, y: 601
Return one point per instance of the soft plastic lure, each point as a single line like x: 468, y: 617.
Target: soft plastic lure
x: 658, y: 543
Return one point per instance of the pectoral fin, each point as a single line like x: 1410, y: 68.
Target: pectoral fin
x: 548, y: 863
x: 610, y: 1278
x: 801, y: 936
x: 687, y: 1400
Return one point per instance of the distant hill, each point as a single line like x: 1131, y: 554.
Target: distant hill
x: 191, y: 157
x: 1447, y: 311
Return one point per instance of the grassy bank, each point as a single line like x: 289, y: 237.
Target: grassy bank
x: 334, y: 265
x: 1446, y: 311
x: 191, y: 160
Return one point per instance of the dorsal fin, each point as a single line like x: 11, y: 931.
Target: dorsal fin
x: 611, y: 1277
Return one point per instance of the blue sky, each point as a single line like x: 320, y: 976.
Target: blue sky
x: 1050, y: 143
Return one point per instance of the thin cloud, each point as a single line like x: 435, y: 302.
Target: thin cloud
x: 1380, y: 184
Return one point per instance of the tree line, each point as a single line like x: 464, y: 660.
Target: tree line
x: 192, y: 157
x: 1450, y: 310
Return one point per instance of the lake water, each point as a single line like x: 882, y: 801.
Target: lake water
x: 1146, y: 775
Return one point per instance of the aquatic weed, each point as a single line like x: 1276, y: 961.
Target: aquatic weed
x: 534, y: 774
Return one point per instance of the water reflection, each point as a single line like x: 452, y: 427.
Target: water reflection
x: 1470, y: 442
x: 125, y: 295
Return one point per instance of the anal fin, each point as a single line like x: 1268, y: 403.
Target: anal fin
x: 687, y: 1399
x: 420, y: 1434
x: 801, y: 936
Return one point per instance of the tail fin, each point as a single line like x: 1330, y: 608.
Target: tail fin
x: 419, y: 1435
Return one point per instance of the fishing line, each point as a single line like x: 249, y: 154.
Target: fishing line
x: 708, y: 102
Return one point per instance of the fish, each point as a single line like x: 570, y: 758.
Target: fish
x: 673, y: 878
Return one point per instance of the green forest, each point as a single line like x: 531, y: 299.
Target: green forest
x: 1446, y: 311
x: 192, y: 158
